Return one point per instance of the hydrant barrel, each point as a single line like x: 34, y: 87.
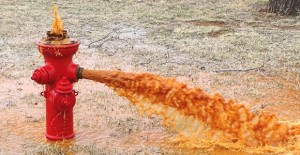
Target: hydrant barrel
x: 59, y: 105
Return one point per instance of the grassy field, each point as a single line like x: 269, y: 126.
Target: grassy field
x: 228, y: 46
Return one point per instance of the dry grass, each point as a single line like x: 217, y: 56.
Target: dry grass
x: 188, y: 39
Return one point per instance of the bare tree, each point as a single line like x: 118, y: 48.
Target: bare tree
x: 284, y: 7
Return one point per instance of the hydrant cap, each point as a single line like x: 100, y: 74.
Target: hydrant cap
x: 64, y: 86
x: 40, y: 76
x: 36, y: 76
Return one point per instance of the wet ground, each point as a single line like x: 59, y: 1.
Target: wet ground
x: 224, y: 47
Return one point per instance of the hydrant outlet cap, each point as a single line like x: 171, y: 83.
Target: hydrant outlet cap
x: 36, y: 76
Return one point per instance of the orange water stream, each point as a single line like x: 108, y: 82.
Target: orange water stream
x: 201, y: 119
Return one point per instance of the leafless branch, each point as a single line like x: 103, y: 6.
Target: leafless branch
x: 239, y: 70
x: 103, y: 38
x: 186, y: 63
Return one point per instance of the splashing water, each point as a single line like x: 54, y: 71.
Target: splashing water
x: 194, y: 113
x: 58, y: 25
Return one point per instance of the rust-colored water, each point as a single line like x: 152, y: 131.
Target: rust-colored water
x: 58, y: 25
x: 203, y: 121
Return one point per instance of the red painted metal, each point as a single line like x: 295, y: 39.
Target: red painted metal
x: 58, y: 75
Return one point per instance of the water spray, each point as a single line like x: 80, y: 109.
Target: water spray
x: 194, y: 112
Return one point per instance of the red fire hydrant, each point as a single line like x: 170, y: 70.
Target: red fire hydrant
x: 58, y: 75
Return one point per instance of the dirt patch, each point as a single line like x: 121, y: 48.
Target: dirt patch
x: 225, y: 27
x: 219, y: 32
x: 208, y: 23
